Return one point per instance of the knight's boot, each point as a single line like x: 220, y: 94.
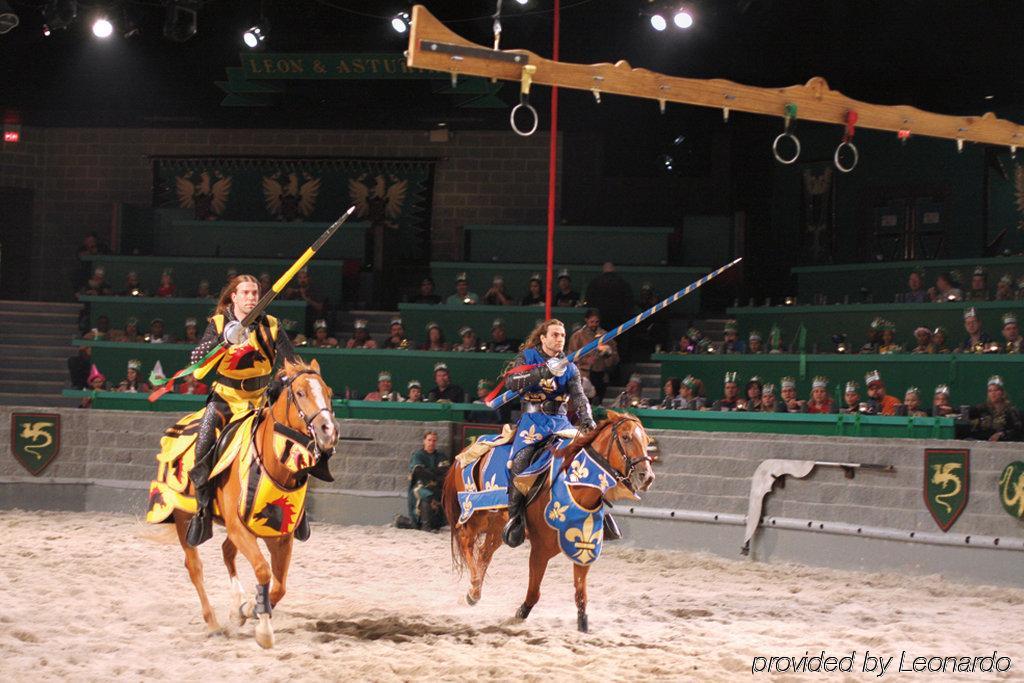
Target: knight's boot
x: 200, y: 527
x: 611, y: 528
x: 302, y: 530
x: 514, y: 532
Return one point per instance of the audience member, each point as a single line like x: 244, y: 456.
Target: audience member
x: 534, y: 292
x: 132, y: 286
x: 565, y: 295
x: 874, y: 337
x: 689, y: 396
x: 820, y: 402
x: 203, y: 290
x: 95, y: 382
x: 888, y: 344
x: 612, y: 296
x: 939, y: 344
x: 879, y: 403
x: 133, y: 381
x: 500, y: 342
x: 912, y: 404
x: 851, y: 398
x: 79, y: 367
x: 768, y: 399
x: 414, y: 391
x: 597, y: 365
x: 632, y: 395
x: 732, y: 344
x: 87, y: 251
x: 789, y: 403
x: 500, y: 415
x: 654, y: 332
x: 916, y: 293
x: 462, y: 294
x: 754, y: 344
x: 924, y: 341
x: 384, y: 392
x: 321, y: 338
x: 304, y: 288
x: 130, y: 334
x: 396, y: 336
x: 157, y: 334
x: 997, y: 419
x: 686, y: 346
x: 443, y: 389
x: 1011, y: 334
x: 671, y: 400
x: 426, y: 294
x: 167, y: 289
x: 102, y: 330
x: 496, y: 295
x: 753, y: 391
x: 1004, y: 288
x: 96, y: 284
x: 435, y: 339
x: 730, y: 400
x: 191, y: 332
x: 192, y: 386
x: 698, y: 342
x: 470, y: 343
x: 941, y: 406
x: 979, y: 286
x: 360, y: 337
x: 427, y: 470
x: 945, y: 290
x: 977, y: 339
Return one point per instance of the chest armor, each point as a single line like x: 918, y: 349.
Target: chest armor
x: 550, y: 389
x: 254, y: 358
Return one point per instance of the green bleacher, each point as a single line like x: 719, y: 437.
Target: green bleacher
x: 174, y: 311
x: 966, y: 374
x: 885, y: 280
x: 574, y: 244
x: 519, y: 320
x: 665, y: 280
x: 854, y: 320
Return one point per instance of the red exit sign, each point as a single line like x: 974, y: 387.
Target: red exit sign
x: 12, y: 136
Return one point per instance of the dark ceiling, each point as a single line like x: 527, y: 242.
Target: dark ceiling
x: 942, y: 56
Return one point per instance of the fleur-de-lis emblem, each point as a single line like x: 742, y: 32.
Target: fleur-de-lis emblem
x: 585, y: 540
x: 557, y: 512
x: 603, y: 482
x: 548, y: 385
x: 531, y: 436
x: 491, y: 485
x: 579, y: 471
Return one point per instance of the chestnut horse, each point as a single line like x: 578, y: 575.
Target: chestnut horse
x: 304, y: 407
x: 620, y: 440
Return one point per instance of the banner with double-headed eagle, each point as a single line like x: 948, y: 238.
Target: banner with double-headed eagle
x: 394, y: 194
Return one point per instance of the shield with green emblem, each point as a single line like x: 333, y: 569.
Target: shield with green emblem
x: 1011, y: 489
x: 35, y: 440
x: 946, y: 483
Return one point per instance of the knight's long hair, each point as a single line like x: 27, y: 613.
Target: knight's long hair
x: 224, y: 300
x: 533, y: 339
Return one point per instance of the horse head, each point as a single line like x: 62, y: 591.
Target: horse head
x: 305, y: 405
x: 621, y: 442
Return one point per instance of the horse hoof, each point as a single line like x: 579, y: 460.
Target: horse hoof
x: 581, y: 623
x: 470, y: 600
x: 265, y: 632
x: 523, y: 611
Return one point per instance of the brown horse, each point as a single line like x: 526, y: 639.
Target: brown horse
x: 303, y: 413
x: 620, y: 440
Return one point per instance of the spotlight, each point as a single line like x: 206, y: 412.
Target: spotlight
x: 683, y: 19
x: 102, y: 28
x: 8, y: 19
x: 58, y: 14
x: 658, y: 22
x: 253, y: 37
x: 522, y: 2
x: 46, y: 31
x: 400, y: 22
x: 181, y: 21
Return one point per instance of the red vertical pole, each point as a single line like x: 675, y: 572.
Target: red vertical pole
x: 552, y: 173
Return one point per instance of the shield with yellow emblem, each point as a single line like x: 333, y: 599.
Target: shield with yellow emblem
x: 35, y: 440
x: 1011, y: 489
x: 946, y: 483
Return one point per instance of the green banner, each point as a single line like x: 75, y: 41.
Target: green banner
x: 393, y: 195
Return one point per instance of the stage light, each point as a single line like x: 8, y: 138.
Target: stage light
x: 46, y: 31
x: 522, y: 2
x: 658, y: 22
x: 683, y: 19
x: 181, y: 22
x: 400, y: 22
x: 102, y: 28
x: 8, y: 19
x: 252, y: 37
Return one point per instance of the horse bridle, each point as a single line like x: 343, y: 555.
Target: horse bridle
x: 631, y: 463
x: 307, y: 421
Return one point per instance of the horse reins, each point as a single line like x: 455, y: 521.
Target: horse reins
x: 631, y: 463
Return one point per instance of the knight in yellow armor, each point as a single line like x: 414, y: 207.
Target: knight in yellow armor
x: 241, y: 379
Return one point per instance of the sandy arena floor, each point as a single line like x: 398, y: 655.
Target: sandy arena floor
x: 93, y: 597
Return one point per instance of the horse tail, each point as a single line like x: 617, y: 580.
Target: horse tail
x: 450, y: 502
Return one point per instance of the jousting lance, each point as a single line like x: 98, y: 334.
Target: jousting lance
x: 166, y: 384
x: 507, y: 396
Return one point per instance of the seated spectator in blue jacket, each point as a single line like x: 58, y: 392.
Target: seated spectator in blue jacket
x: 427, y: 470
x: 917, y: 294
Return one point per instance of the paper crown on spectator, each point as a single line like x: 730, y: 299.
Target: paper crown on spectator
x: 396, y: 321
x: 922, y: 332
x: 913, y: 390
x: 485, y: 384
x: 693, y: 333
x: 131, y: 273
x: 1009, y: 319
x: 819, y: 382
x: 461, y: 277
x: 872, y: 376
x: 497, y: 279
x: 535, y: 276
x: 690, y: 381
x: 1006, y: 279
x: 564, y: 272
x: 287, y: 324
x: 942, y: 389
x: 465, y: 330
x: 131, y: 321
x: 636, y: 378
x: 413, y: 383
x: 646, y: 286
x: 730, y: 326
x: 441, y: 366
x: 99, y: 271
x: 755, y: 335
x: 980, y: 270
x: 498, y: 322
x: 204, y: 283
x: 956, y: 276
x: 768, y: 390
x: 731, y: 376
x: 995, y: 380
x: 939, y: 330
x: 94, y: 373
x: 190, y: 322
x: 431, y: 325
x: 321, y: 324
x: 755, y: 378
x: 787, y: 383
x: 154, y: 321
x: 851, y: 387
x: 876, y: 324
x: 970, y: 313
x: 135, y: 364
x: 360, y: 324
x: 384, y: 376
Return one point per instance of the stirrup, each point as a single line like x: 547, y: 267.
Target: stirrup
x: 514, y: 532
x: 611, y: 528
x: 200, y: 529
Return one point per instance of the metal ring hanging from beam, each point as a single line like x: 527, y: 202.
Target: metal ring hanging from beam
x: 524, y: 103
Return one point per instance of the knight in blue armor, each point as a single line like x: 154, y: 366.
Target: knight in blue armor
x: 545, y: 380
